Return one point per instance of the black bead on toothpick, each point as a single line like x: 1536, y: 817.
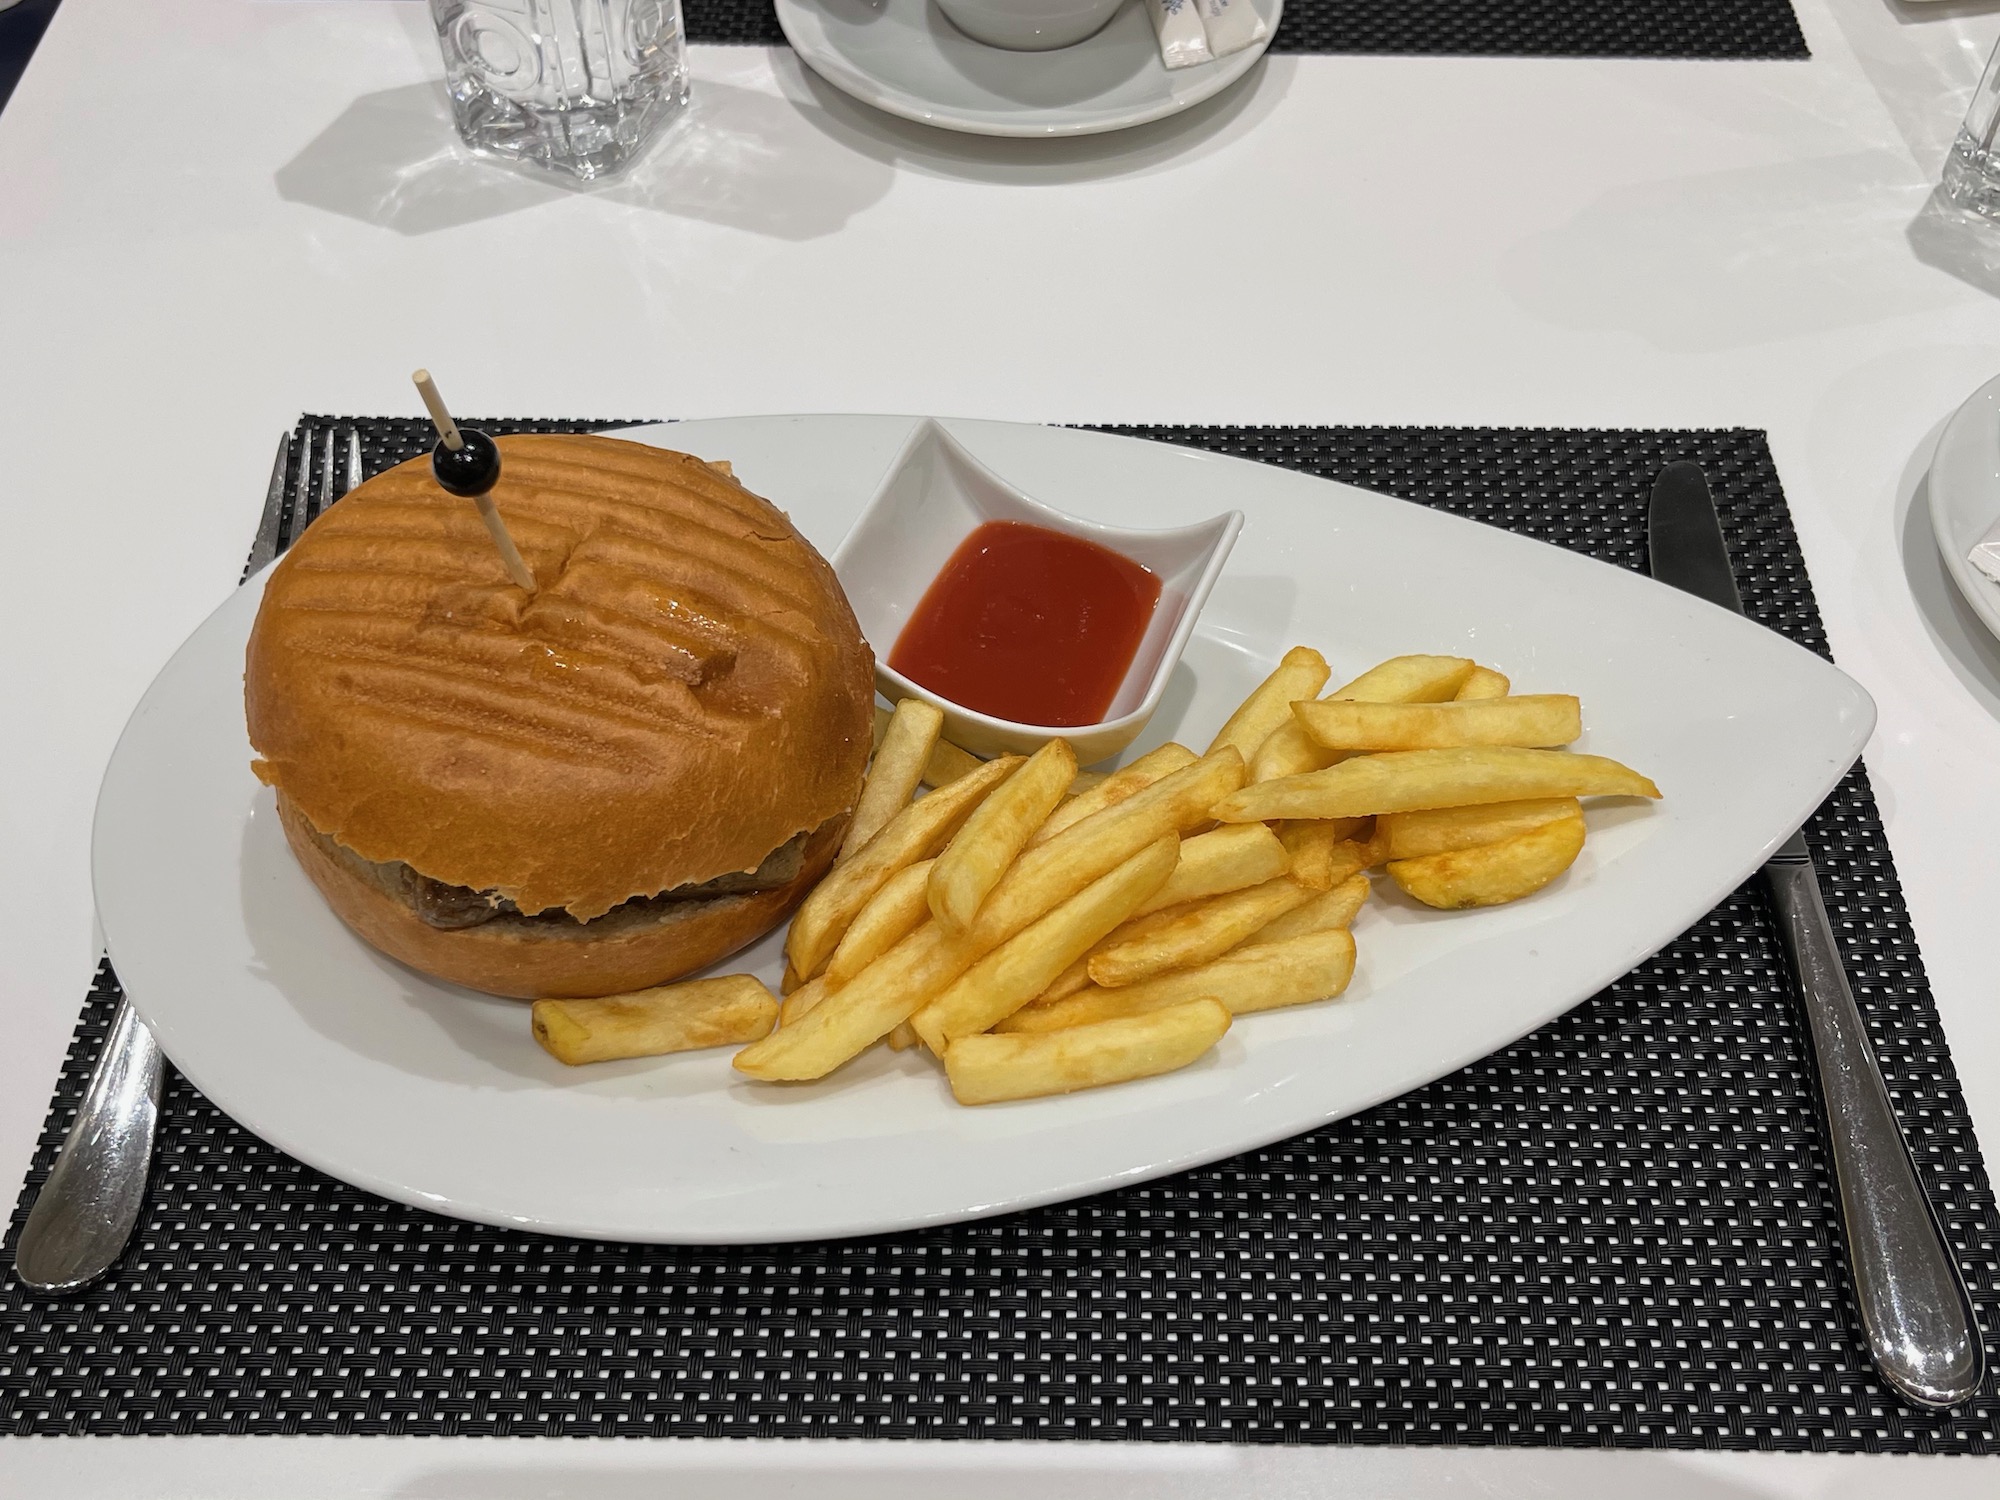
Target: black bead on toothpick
x: 472, y: 468
x: 467, y: 462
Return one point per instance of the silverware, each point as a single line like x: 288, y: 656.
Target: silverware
x: 264, y: 546
x: 1914, y: 1309
x: 85, y: 1212
x: 282, y: 524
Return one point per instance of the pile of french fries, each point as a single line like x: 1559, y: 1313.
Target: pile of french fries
x: 1040, y: 930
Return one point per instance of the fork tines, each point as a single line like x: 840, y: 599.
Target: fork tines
x: 312, y: 469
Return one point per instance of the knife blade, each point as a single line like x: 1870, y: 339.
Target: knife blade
x: 1914, y: 1309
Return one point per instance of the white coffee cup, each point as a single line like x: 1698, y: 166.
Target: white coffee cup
x: 1029, y: 25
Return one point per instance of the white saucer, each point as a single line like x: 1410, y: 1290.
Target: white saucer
x: 903, y: 56
x: 1965, y: 496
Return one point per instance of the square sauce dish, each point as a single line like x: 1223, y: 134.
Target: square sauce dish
x: 1021, y: 623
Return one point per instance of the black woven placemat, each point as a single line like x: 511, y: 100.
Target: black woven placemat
x: 1489, y: 28
x: 1617, y: 1232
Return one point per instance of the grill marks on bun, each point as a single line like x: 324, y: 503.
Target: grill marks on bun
x: 686, y: 691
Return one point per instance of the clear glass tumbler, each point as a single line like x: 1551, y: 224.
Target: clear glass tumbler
x: 1972, y: 170
x: 577, y: 86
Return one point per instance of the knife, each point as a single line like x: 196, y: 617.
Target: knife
x: 1914, y: 1308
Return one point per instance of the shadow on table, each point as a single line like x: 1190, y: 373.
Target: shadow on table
x: 1958, y: 243
x: 1960, y: 636
x: 850, y: 1470
x: 737, y: 158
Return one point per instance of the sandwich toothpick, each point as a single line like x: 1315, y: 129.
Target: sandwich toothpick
x: 466, y: 462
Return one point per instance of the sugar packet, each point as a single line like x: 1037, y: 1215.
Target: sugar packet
x: 1230, y: 25
x: 1985, y: 554
x: 1183, y: 43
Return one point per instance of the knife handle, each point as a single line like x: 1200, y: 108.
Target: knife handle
x: 1914, y: 1308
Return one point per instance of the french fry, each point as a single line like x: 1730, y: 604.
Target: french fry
x: 1228, y: 859
x: 892, y: 914
x: 919, y: 830
x: 998, y: 830
x: 1493, y: 874
x: 1439, y: 830
x: 847, y: 1021
x: 649, y: 1023
x: 988, y: 1069
x: 947, y: 763
x: 1543, y: 719
x: 902, y: 1037
x: 1211, y: 864
x: 1083, y: 781
x: 1410, y: 780
x: 1077, y: 975
x: 1335, y: 908
x: 1290, y: 751
x: 1020, y: 968
x: 791, y: 980
x: 1049, y: 873
x: 1323, y: 850
x: 1290, y: 971
x: 1301, y: 674
x: 891, y: 989
x: 1181, y: 937
x: 1128, y: 781
x: 895, y: 772
x: 803, y: 999
x: 1409, y: 679
x: 1484, y: 683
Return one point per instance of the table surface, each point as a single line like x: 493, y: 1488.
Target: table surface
x: 222, y: 212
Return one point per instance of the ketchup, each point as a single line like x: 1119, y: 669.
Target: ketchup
x: 1029, y: 624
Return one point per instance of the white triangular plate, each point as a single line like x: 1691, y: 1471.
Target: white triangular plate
x: 439, y: 1098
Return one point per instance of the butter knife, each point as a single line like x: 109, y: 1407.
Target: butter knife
x: 1914, y: 1309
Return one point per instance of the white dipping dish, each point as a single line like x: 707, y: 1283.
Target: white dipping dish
x: 935, y: 496
x: 439, y: 1098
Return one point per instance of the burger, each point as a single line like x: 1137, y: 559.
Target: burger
x: 606, y: 783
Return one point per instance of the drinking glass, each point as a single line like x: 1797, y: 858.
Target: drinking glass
x: 1972, y: 170
x: 577, y: 86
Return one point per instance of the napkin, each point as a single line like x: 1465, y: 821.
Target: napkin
x: 1985, y: 554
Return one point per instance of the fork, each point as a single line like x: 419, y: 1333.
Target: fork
x: 86, y: 1210
x: 282, y: 524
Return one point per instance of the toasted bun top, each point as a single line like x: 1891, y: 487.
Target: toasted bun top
x: 687, y: 690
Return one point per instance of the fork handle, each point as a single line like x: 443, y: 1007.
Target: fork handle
x: 1914, y: 1308
x: 85, y: 1212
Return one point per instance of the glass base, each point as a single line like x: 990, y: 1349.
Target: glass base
x: 586, y: 140
x: 1972, y: 176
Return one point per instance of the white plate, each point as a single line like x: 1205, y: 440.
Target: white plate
x: 1965, y: 496
x: 903, y: 56
x: 438, y: 1097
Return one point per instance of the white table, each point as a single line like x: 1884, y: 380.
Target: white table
x: 217, y: 213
